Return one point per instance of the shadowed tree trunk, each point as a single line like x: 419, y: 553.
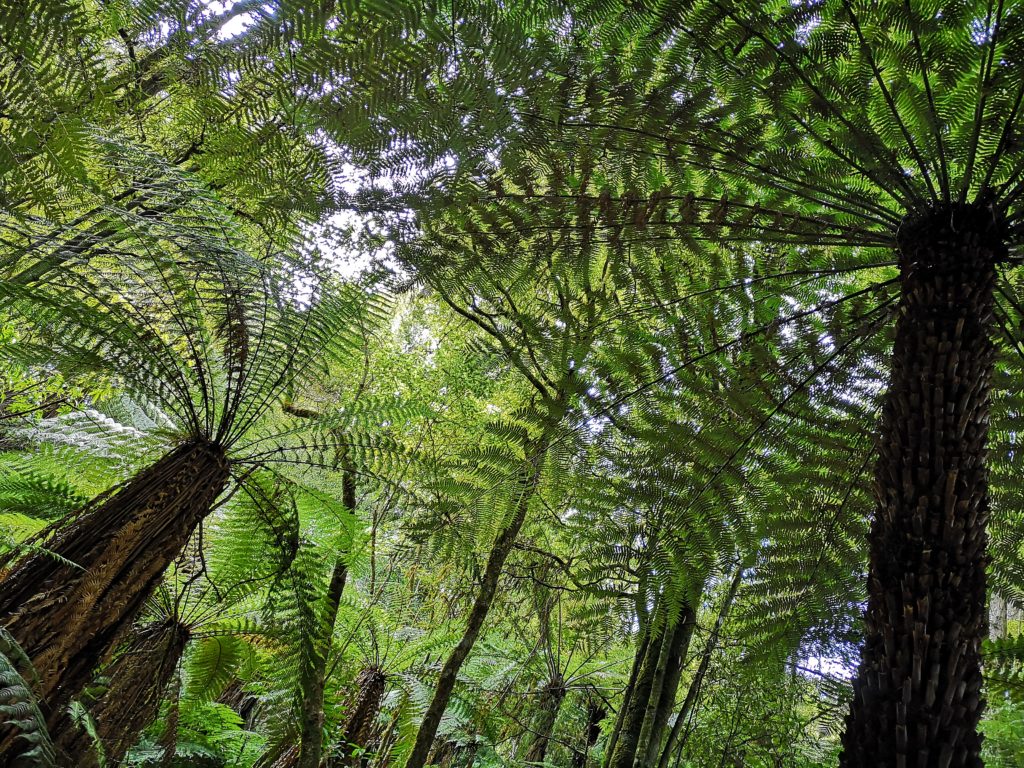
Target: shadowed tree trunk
x: 676, y: 737
x: 634, y: 706
x: 481, y: 607
x: 647, y: 705
x: 138, y: 676
x: 661, y: 704
x: 69, y: 617
x: 917, y: 694
x: 596, y: 713
x: 631, y: 686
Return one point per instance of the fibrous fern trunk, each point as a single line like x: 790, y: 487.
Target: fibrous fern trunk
x: 139, y: 676
x: 596, y: 713
x: 917, y: 694
x: 68, y: 611
x: 362, y: 717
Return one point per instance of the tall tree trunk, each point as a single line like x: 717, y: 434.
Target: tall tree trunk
x: 676, y: 737
x: 660, y: 705
x: 314, y: 676
x: 634, y: 677
x: 69, y: 617
x: 917, y: 694
x: 139, y: 676
x: 634, y: 708
x: 481, y: 606
x: 543, y: 724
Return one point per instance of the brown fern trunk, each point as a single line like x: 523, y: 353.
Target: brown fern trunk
x: 917, y: 694
x: 139, y: 676
x: 69, y: 617
x: 596, y: 713
x: 362, y: 718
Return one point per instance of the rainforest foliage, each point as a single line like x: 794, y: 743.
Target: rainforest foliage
x: 470, y: 383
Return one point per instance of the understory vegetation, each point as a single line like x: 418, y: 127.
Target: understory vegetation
x: 583, y: 383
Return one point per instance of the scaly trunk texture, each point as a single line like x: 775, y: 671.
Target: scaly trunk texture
x: 917, y: 694
x: 315, y: 675
x: 68, y: 618
x: 478, y: 614
x: 660, y: 706
x: 543, y: 724
x: 138, y: 676
x: 362, y: 717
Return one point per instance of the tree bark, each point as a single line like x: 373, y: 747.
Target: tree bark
x: 69, y: 617
x: 660, y: 706
x: 676, y: 739
x: 634, y: 709
x: 627, y: 697
x: 481, y: 606
x: 917, y: 694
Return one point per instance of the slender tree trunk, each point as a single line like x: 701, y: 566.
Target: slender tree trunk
x: 675, y: 737
x: 627, y: 697
x: 634, y: 709
x: 139, y: 676
x: 69, y: 617
x: 917, y: 694
x: 315, y: 675
x: 481, y: 606
x: 543, y: 724
x: 661, y: 705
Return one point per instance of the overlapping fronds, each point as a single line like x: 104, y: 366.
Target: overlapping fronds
x: 20, y: 717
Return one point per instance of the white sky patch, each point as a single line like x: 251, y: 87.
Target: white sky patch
x: 235, y: 26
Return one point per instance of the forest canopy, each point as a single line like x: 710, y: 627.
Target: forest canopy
x: 525, y: 383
